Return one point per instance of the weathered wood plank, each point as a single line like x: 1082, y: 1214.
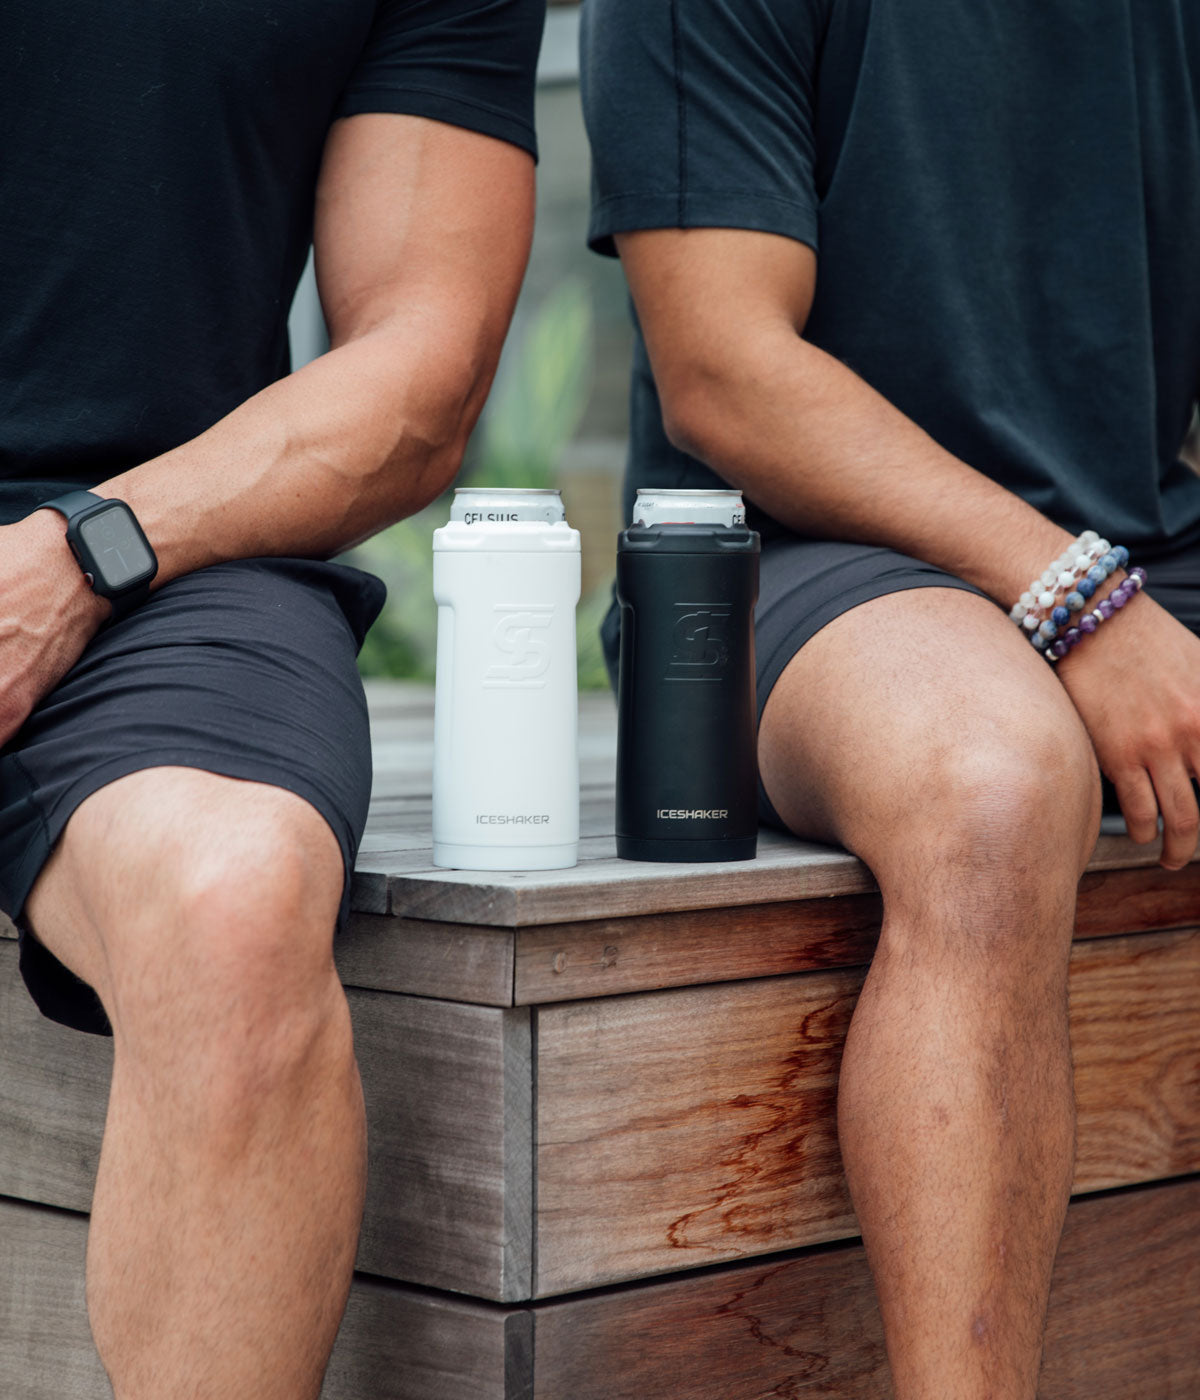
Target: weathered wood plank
x: 449, y: 1093
x: 1135, y: 1037
x: 1123, y: 1323
x: 606, y: 957
x: 46, y: 1350
x: 456, y: 962
x: 395, y: 872
x: 498, y: 966
x: 601, y: 886
x: 398, y: 1343
x: 674, y: 1128
x: 682, y: 1128
x: 688, y: 1127
x: 53, y: 1098
x: 395, y: 1343
x: 449, y: 1186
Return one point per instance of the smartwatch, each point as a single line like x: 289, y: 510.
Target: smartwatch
x: 110, y: 546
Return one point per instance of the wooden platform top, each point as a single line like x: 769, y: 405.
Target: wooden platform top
x: 396, y: 875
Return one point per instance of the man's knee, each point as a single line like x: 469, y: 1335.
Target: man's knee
x: 992, y: 831
x: 215, y: 913
x: 234, y: 1000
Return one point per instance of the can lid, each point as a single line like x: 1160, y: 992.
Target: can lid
x: 506, y: 505
x: 674, y: 506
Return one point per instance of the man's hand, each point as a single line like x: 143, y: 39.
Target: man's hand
x: 1136, y: 684
x: 48, y: 614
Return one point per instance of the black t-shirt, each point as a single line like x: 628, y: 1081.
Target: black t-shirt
x: 158, y: 161
x: 1005, y: 200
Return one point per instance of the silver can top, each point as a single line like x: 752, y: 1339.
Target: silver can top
x: 506, y: 505
x: 674, y: 507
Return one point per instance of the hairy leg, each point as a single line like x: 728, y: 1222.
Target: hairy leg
x: 230, y: 1188
x: 922, y: 732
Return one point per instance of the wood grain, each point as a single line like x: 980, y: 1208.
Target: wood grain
x: 449, y: 1185
x: 1135, y: 1035
x: 46, y: 1350
x: 395, y: 1343
x: 681, y: 1128
x: 606, y: 957
x: 399, y: 1343
x: 1123, y: 1322
x: 395, y: 873
x: 53, y: 1098
x: 455, y: 962
x: 448, y: 1090
x: 686, y: 1127
x: 601, y: 886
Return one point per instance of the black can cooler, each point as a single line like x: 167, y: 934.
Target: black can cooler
x: 687, y: 772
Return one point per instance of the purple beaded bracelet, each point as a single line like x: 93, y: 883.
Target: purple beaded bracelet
x: 1088, y: 623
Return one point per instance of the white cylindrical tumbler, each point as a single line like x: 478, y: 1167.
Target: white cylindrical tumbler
x: 506, y: 705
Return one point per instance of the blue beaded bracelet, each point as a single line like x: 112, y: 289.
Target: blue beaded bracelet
x: 1039, y: 615
x: 1055, y: 650
x: 1072, y: 571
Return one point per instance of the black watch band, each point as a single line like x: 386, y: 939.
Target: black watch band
x: 110, y: 547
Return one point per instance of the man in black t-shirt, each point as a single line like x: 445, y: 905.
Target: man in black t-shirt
x: 923, y: 280
x: 184, y: 770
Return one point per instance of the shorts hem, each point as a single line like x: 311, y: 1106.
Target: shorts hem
x: 82, y: 1010
x: 54, y: 822
x: 781, y: 656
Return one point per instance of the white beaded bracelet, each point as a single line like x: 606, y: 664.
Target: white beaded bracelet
x: 1067, y: 573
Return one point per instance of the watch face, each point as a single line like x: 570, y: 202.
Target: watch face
x: 118, y: 550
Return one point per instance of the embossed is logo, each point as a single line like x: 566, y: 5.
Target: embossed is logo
x: 519, y: 634
x: 699, y: 642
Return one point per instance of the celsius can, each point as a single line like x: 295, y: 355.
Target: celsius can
x: 505, y: 731
x: 687, y: 774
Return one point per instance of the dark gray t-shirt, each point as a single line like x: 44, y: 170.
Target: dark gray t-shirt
x: 1005, y: 200
x: 158, y: 162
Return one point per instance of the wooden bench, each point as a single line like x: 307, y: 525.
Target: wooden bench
x: 603, y: 1159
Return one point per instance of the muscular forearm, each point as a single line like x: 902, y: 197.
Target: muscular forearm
x: 820, y: 450
x: 369, y: 432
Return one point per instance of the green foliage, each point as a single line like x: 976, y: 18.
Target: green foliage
x: 540, y: 394
x: 534, y: 409
x: 593, y: 674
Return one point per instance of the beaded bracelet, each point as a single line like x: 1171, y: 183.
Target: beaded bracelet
x: 1081, y: 590
x: 1055, y: 649
x: 1085, y: 564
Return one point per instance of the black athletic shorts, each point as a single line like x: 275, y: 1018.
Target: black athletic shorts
x: 804, y: 584
x: 244, y: 669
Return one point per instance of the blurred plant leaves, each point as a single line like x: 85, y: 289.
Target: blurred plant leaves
x: 534, y: 409
x: 541, y: 394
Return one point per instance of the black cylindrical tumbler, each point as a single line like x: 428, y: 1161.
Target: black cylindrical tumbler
x: 687, y: 775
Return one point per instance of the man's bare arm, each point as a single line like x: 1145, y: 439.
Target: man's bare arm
x: 422, y: 235
x: 421, y: 238
x: 802, y: 434
x: 819, y: 449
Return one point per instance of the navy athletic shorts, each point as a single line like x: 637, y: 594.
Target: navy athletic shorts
x: 244, y: 669
x: 804, y: 584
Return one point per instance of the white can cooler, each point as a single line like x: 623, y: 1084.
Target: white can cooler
x: 506, y: 575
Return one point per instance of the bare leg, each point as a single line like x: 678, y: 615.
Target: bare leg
x: 230, y: 1188
x: 924, y: 734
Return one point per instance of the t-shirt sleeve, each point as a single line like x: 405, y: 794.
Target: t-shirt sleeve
x: 471, y: 63
x: 701, y: 114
